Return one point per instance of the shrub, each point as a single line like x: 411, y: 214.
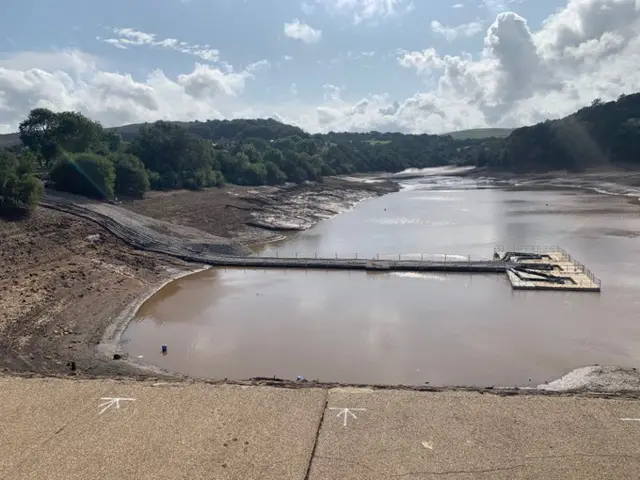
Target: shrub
x: 85, y: 174
x: 131, y: 177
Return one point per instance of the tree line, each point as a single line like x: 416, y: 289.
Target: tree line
x: 76, y: 154
x: 602, y: 135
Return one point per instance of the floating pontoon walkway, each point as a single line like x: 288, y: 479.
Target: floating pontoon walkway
x: 528, y: 268
x: 472, y: 266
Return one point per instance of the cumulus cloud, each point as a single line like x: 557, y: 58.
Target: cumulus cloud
x: 303, y: 32
x: 451, y: 33
x: 588, y: 49
x: 520, y: 75
x: 73, y: 81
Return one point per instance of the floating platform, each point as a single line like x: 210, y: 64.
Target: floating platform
x: 550, y: 270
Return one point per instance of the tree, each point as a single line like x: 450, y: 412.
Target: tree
x: 36, y: 133
x: 47, y: 134
x: 275, y: 176
x: 181, y: 159
x: 73, y: 132
x: 131, y: 177
x: 85, y: 174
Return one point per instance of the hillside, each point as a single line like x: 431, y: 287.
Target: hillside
x: 480, y: 133
x: 9, y: 140
x: 602, y: 135
x: 265, y: 151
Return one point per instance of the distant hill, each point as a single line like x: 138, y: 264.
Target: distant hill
x: 9, y: 140
x: 480, y: 133
x: 602, y: 135
x: 229, y: 129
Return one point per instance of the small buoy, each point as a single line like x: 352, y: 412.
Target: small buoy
x: 164, y: 349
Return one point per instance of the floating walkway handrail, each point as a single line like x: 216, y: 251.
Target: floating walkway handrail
x: 400, y: 257
x: 551, y: 249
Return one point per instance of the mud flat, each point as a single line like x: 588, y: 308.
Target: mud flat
x: 253, y: 215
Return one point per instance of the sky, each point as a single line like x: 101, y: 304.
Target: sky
x: 414, y: 66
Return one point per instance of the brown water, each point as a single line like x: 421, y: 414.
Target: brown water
x: 388, y: 328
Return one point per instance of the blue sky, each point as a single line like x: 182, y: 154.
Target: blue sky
x: 407, y: 65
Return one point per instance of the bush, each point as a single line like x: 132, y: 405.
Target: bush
x: 20, y: 190
x: 131, y: 177
x: 85, y: 174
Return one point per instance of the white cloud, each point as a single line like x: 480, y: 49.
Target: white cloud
x: 72, y: 81
x: 451, y: 33
x: 589, y: 49
x: 303, y: 32
x: 458, y: 5
x: 584, y: 51
x: 129, y: 37
x: 425, y: 61
x: 364, y: 10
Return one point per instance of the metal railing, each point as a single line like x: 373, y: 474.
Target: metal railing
x: 548, y: 249
x: 416, y: 257
x: 540, y: 249
x: 580, y: 267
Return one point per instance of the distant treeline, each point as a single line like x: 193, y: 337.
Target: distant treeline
x: 78, y: 155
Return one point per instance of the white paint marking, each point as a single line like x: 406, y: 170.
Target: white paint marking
x: 111, y: 401
x: 346, y: 412
x: 428, y: 445
x: 630, y: 419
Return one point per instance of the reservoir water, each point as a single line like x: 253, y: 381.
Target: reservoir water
x: 406, y: 328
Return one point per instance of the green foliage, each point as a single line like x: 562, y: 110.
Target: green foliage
x: 179, y: 158
x: 85, y: 174
x: 601, y: 135
x: 20, y: 189
x: 131, y: 177
x: 481, y: 133
x: 48, y: 134
x: 195, y: 155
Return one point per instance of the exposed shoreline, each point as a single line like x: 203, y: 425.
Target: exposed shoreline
x: 308, y: 204
x: 79, y: 269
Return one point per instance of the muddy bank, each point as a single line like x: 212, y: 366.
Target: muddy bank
x: 254, y: 215
x: 64, y: 280
x: 75, y: 271
x: 607, y: 182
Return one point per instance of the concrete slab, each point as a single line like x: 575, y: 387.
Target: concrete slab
x: 34, y: 411
x: 412, y: 435
x: 194, y: 431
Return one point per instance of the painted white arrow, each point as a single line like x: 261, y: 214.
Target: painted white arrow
x: 111, y: 401
x: 346, y: 412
